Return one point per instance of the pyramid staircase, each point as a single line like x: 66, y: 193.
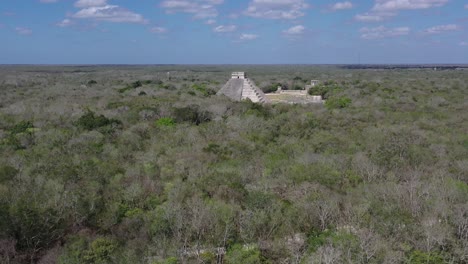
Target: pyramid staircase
x: 243, y: 89
x: 252, y: 92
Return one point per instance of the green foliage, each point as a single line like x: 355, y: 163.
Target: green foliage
x: 191, y: 114
x: 319, y: 90
x: 216, y: 173
x: 131, y: 86
x: 92, y: 82
x: 219, y: 151
x: 317, y: 239
x: 398, y: 149
x: 20, y: 135
x: 203, y: 89
x: 257, y: 109
x: 419, y: 257
x: 74, y: 251
x: 100, y: 251
x: 326, y: 89
x: 34, y: 226
x: 271, y: 88
x: 136, y: 84
x: 165, y: 122
x: 7, y: 173
x: 259, y: 200
x: 208, y: 257
x: 321, y: 173
x: 90, y: 121
x: 338, y: 102
x: 22, y: 127
x: 125, y: 89
x: 243, y: 254
x: 170, y: 260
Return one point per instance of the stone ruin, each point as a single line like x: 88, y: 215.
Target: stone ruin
x: 240, y: 87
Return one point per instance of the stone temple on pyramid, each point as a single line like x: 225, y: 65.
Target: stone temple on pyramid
x: 239, y: 87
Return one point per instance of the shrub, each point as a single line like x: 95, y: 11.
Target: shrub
x: 203, y: 89
x: 170, y: 260
x: 318, y: 90
x: 131, y: 86
x: 257, y: 109
x: 208, y: 257
x: 100, y: 251
x: 165, y: 122
x: 419, y: 257
x: 73, y: 251
x: 339, y: 102
x: 22, y: 127
x: 317, y: 239
x: 243, y: 254
x: 7, y: 173
x: 191, y: 114
x: 271, y: 88
x: 123, y: 90
x: 90, y: 121
x: 136, y: 84
x: 21, y: 135
x: 92, y: 82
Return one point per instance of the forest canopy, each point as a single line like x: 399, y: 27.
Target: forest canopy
x: 134, y: 165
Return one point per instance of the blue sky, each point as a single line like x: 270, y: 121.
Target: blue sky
x: 233, y: 31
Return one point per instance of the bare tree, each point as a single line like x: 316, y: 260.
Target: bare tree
x: 368, y: 243
x: 328, y: 254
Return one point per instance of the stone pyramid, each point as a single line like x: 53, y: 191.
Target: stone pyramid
x: 239, y: 87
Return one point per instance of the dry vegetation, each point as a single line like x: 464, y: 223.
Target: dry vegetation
x: 138, y: 165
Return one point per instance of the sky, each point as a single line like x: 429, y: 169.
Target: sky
x: 233, y: 31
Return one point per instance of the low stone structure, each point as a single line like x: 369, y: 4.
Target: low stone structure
x: 313, y: 83
x: 296, y: 96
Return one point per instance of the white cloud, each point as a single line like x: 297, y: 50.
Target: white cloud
x: 158, y: 30
x: 223, y: 29
x: 342, y: 6
x: 90, y: 3
x: 463, y: 43
x: 65, y: 23
x: 110, y: 13
x: 23, y: 31
x: 373, y: 17
x: 201, y: 9
x: 395, y: 5
x: 385, y: 9
x: 276, y: 9
x: 383, y: 32
x: 296, y: 30
x: 442, y: 28
x: 210, y: 22
x: 248, y: 36
x: 466, y: 6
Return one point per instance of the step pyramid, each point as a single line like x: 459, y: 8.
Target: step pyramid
x: 239, y: 87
